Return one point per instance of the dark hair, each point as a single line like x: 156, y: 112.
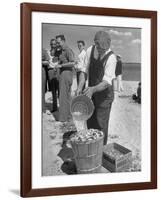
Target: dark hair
x: 61, y: 37
x: 81, y: 41
x: 53, y: 39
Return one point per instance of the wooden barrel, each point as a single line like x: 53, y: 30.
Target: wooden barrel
x: 88, y: 155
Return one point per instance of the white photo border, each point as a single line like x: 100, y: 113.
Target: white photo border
x: 39, y: 181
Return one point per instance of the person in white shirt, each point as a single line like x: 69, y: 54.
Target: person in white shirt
x: 99, y: 65
x: 81, y: 57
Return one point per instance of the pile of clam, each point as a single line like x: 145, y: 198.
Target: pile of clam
x: 87, y: 135
x: 114, y: 153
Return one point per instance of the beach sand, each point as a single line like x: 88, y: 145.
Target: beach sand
x: 125, y: 122
x: 124, y: 128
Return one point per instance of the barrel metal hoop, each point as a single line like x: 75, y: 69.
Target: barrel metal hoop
x: 88, y: 156
x: 88, y: 170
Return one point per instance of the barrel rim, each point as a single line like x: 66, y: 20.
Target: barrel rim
x: 87, y: 142
x: 89, y: 170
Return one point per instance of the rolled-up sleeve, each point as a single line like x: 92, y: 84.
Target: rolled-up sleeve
x: 110, y: 67
x: 70, y: 55
x: 86, y: 60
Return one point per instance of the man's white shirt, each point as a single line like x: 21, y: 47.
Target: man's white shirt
x: 110, y: 66
x: 81, y: 58
x: 51, y: 64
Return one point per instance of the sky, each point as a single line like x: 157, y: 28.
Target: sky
x: 124, y: 41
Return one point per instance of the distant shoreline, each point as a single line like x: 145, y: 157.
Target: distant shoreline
x: 126, y: 64
x: 131, y: 63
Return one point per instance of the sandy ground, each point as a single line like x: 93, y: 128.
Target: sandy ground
x: 124, y: 128
x: 125, y: 122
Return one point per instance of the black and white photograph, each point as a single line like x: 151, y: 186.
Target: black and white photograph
x: 91, y: 99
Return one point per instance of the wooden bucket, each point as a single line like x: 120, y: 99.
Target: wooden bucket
x: 88, y: 155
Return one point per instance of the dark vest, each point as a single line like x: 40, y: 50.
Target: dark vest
x: 96, y: 73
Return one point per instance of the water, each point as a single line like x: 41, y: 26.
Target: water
x: 131, y: 72
x: 81, y: 125
x: 79, y: 121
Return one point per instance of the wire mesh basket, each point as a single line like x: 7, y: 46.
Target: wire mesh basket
x: 81, y: 107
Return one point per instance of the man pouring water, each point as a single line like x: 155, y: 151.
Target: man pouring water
x: 99, y: 65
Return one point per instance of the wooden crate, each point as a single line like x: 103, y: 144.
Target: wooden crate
x: 113, y: 163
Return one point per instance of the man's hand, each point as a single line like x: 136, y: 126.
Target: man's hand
x: 58, y: 66
x: 45, y: 62
x: 89, y: 91
x: 78, y: 92
x: 53, y: 65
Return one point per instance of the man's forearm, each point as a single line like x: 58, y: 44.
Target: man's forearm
x: 45, y: 62
x: 69, y: 64
x: 82, y: 80
x: 101, y: 86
